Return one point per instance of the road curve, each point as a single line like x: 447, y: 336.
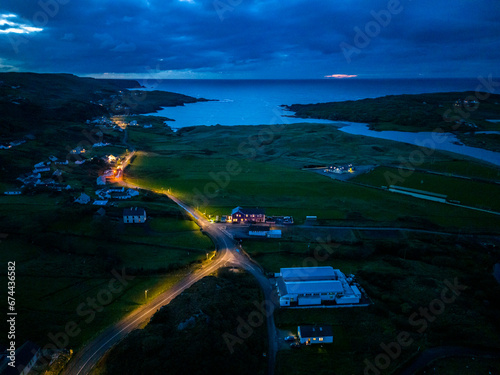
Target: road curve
x: 88, y: 357
x: 228, y: 253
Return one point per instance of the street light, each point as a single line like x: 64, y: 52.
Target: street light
x: 146, y: 295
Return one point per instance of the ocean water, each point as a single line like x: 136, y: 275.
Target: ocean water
x: 257, y: 102
x: 439, y: 141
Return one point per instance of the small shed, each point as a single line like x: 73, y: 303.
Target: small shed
x: 258, y: 230
x: 315, y: 334
x: 274, y: 233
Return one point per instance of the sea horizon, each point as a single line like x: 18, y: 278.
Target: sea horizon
x: 259, y: 101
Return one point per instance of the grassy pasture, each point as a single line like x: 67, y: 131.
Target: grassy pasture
x: 468, y: 192
x: 284, y: 190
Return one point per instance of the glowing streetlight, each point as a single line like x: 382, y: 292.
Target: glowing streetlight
x: 146, y: 295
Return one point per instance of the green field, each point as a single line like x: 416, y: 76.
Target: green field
x: 64, y: 255
x: 283, y: 190
x: 468, y: 192
x: 215, y: 306
x: 473, y: 169
x: 400, y: 277
x: 472, y: 365
x: 420, y: 112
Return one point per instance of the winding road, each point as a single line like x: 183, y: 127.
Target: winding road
x: 228, y: 254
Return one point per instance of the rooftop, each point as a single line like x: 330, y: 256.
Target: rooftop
x: 308, y: 273
x: 249, y: 211
x: 134, y: 211
x: 315, y: 331
x: 314, y: 287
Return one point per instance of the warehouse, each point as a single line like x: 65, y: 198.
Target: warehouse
x: 313, y: 286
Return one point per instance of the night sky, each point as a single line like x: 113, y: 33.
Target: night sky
x: 252, y: 38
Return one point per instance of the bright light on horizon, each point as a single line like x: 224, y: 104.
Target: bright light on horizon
x: 340, y: 76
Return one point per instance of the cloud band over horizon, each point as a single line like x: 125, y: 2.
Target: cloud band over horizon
x: 251, y: 38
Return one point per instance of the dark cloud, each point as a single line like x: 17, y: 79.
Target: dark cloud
x: 253, y: 38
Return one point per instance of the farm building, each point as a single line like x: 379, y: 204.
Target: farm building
x: 274, y: 233
x: 313, y: 286
x: 134, y: 215
x: 248, y: 215
x: 258, y: 231
x: 315, y: 334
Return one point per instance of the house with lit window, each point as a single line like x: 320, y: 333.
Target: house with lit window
x: 315, y: 334
x: 134, y: 215
x: 248, y: 215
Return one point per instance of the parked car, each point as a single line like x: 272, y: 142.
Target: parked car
x: 290, y: 338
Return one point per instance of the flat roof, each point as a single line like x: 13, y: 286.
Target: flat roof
x: 308, y: 273
x: 313, y: 287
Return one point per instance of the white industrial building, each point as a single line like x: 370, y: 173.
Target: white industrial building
x: 312, y: 286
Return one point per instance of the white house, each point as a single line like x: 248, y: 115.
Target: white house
x: 315, y: 334
x: 120, y: 195
x: 313, y: 286
x: 13, y: 192
x: 100, y: 202
x: 132, y: 192
x: 41, y: 169
x: 83, y: 199
x: 134, y: 215
x: 40, y: 165
x: 100, y: 144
